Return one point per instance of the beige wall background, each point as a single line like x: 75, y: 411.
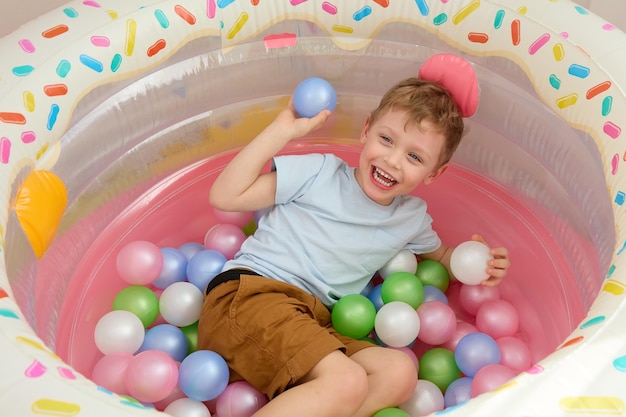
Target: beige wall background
x: 14, y: 13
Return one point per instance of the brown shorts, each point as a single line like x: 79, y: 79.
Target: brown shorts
x: 270, y: 333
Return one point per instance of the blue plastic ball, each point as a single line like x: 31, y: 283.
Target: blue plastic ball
x: 174, y: 268
x: 474, y: 351
x: 204, y: 266
x: 375, y: 296
x: 313, y: 95
x: 459, y: 391
x: 203, y: 375
x: 166, y: 338
x: 190, y: 249
x: 432, y: 293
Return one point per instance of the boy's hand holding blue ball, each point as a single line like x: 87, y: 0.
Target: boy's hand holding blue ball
x: 312, y: 96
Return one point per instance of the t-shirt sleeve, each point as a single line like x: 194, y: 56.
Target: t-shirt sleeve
x: 295, y: 174
x: 426, y: 239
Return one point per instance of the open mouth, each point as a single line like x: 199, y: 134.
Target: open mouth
x: 382, y: 178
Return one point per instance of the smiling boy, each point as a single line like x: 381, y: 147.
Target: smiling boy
x: 328, y: 229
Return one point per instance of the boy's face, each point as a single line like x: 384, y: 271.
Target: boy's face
x: 397, y: 157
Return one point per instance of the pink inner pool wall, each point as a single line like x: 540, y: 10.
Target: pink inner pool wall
x: 540, y: 284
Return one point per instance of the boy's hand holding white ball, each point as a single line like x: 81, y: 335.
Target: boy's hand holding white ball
x: 474, y: 263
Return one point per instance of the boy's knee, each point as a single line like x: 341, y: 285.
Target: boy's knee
x: 402, y: 371
x: 351, y: 386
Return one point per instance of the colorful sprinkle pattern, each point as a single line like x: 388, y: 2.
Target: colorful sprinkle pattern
x: 37, y: 94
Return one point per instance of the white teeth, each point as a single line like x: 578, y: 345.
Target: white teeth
x: 383, y: 178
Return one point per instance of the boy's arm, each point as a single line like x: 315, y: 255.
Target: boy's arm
x: 242, y: 186
x: 496, y: 268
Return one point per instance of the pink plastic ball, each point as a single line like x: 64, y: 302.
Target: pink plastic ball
x: 474, y: 296
x: 139, y: 262
x: 237, y: 218
x: 491, y: 377
x: 151, y: 376
x: 462, y: 328
x: 176, y: 394
x: 110, y: 372
x: 514, y: 353
x: 437, y: 322
x: 453, y: 293
x: 497, y: 318
x: 239, y: 399
x: 225, y: 238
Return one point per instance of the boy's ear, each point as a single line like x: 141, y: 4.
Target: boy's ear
x: 436, y: 174
x: 365, y: 129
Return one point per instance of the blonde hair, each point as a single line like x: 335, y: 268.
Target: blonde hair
x: 426, y: 101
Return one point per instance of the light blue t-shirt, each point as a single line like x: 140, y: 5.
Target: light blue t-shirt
x: 325, y: 235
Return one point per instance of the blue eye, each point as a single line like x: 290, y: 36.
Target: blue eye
x: 415, y: 157
x: 385, y: 138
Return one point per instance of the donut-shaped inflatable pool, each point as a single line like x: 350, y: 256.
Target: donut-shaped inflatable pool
x: 116, y: 116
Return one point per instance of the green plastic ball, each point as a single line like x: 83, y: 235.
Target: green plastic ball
x: 191, y: 334
x: 249, y: 228
x: 402, y: 286
x: 391, y: 412
x: 438, y: 366
x: 353, y: 316
x: 139, y: 300
x: 433, y: 273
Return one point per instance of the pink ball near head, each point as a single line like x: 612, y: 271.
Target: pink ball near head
x: 514, y: 353
x: 151, y: 376
x: 110, y: 372
x: 437, y: 322
x: 239, y: 399
x: 225, y: 238
x: 139, y: 262
x: 472, y: 297
x: 491, y: 377
x: 462, y: 328
x: 497, y: 318
x: 237, y: 218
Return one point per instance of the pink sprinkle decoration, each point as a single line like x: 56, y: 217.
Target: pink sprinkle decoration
x: 210, y: 8
x: 329, y: 8
x: 66, y: 373
x: 27, y: 46
x: 444, y: 1
x: 608, y: 27
x: 101, y: 41
x: 5, y: 150
x: 614, y: 164
x: 28, y: 137
x: 91, y: 3
x: 564, y: 35
x: 36, y: 369
x: 541, y: 41
x: 296, y: 2
x: 612, y: 129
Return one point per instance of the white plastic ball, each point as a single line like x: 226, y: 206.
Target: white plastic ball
x: 119, y: 331
x: 186, y: 407
x: 180, y: 304
x: 397, y: 324
x: 469, y: 262
x: 403, y: 261
x: 426, y: 399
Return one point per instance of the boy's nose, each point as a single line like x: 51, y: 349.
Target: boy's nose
x: 393, y: 159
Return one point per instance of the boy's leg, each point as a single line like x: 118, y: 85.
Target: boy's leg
x: 391, y: 375
x: 336, y: 387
